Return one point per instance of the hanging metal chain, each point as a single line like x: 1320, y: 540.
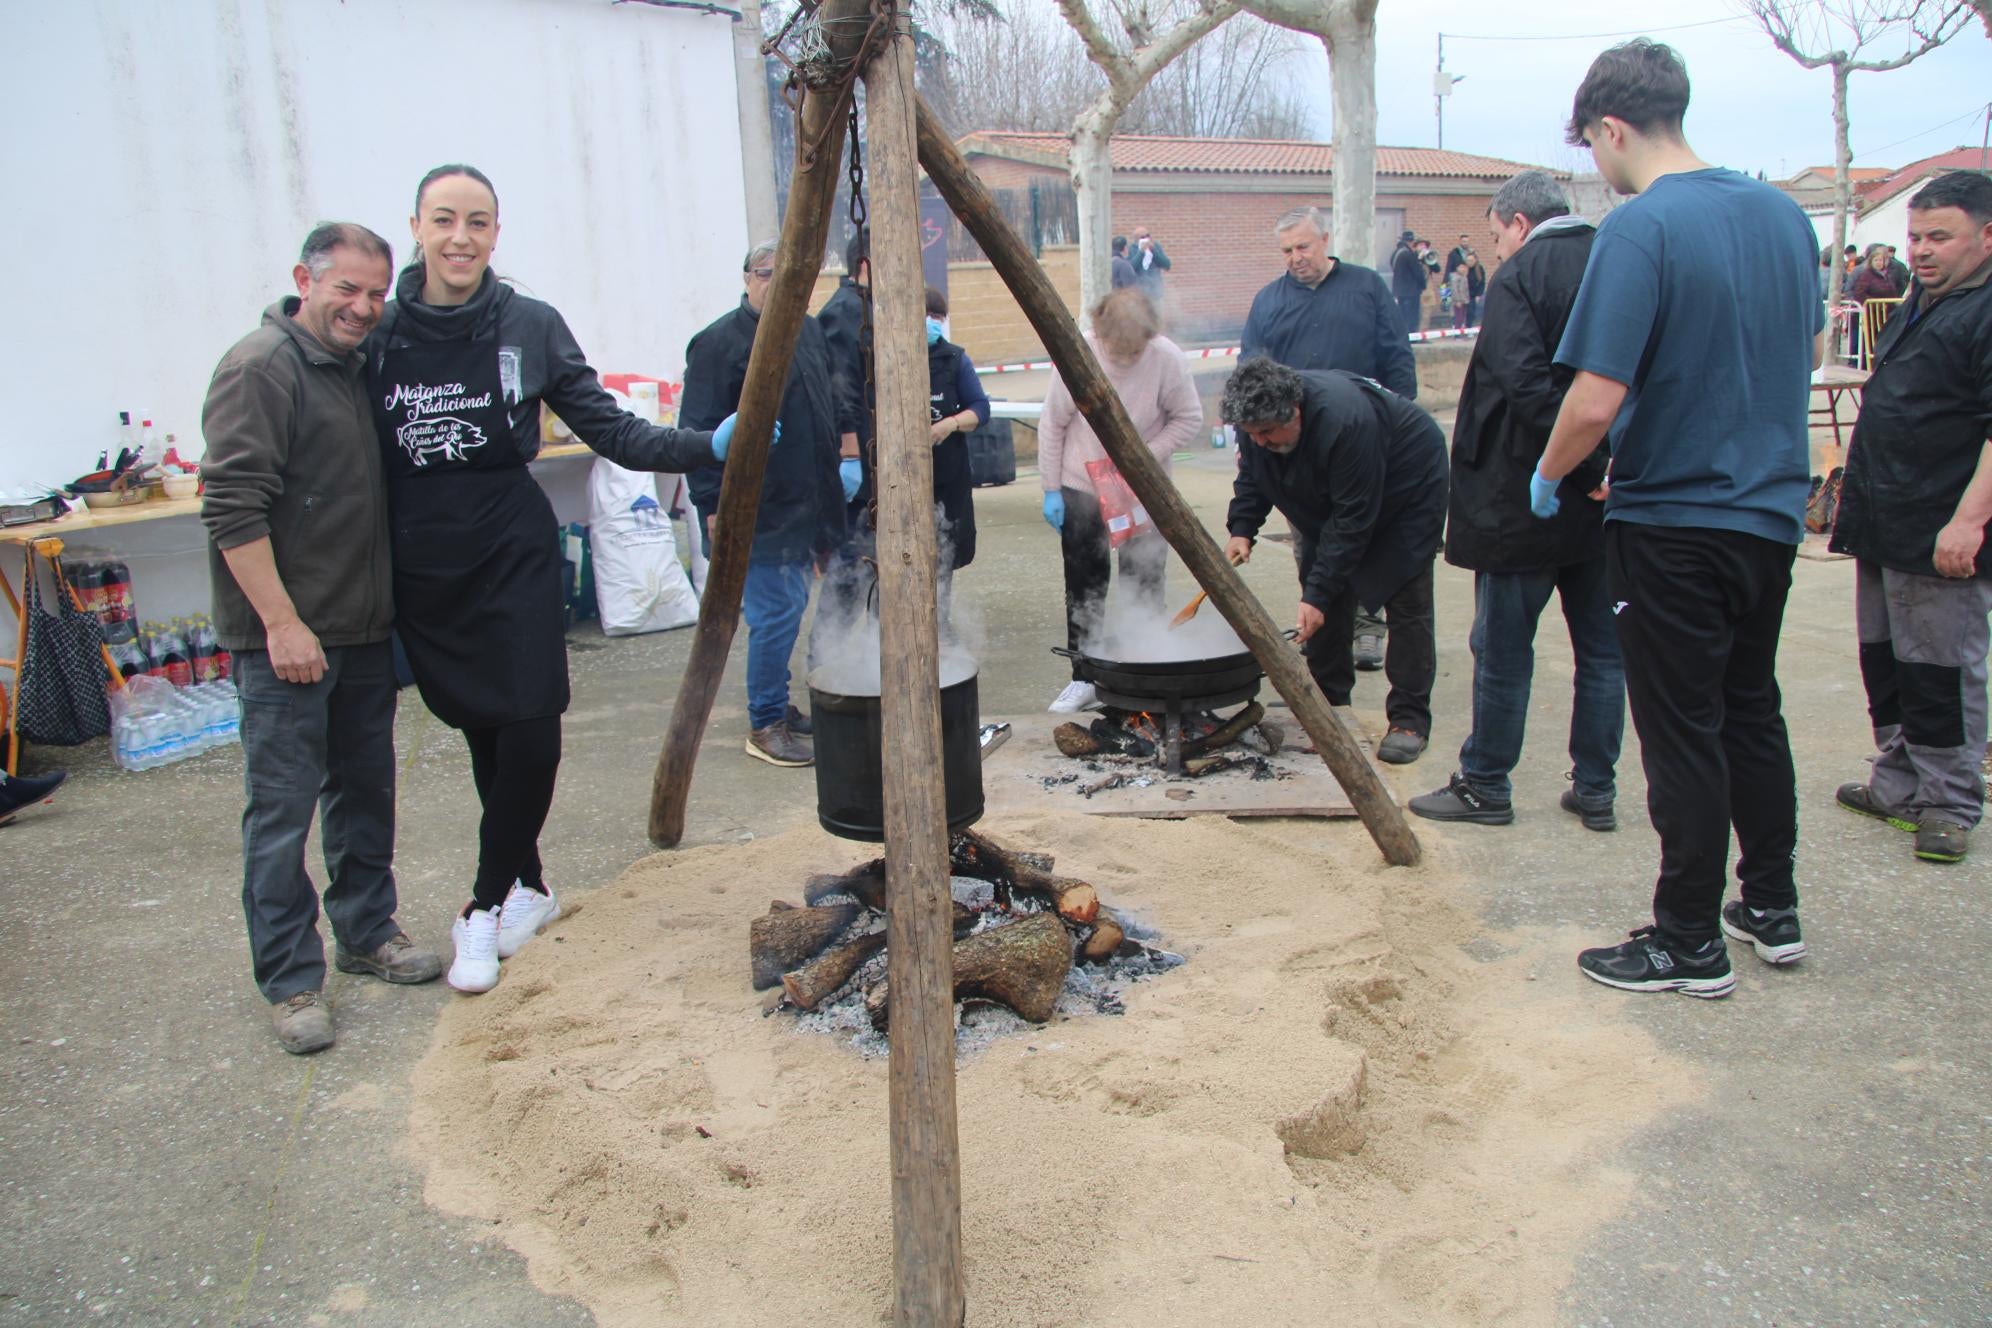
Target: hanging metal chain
x: 860, y: 215
x: 815, y: 68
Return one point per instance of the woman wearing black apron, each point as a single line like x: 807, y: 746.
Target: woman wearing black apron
x: 957, y: 404
x: 458, y: 367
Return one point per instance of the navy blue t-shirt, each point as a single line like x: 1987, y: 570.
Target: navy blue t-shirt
x: 1702, y: 297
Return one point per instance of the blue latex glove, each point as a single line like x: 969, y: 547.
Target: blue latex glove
x: 722, y: 437
x: 852, y: 472
x: 1542, y: 496
x: 1054, y: 510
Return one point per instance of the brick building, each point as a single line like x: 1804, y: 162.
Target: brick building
x: 1211, y: 204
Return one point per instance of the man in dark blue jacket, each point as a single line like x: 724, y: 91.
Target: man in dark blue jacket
x: 1328, y: 314
x: 1507, y: 406
x: 1914, y: 514
x: 1361, y: 475
x: 801, y: 516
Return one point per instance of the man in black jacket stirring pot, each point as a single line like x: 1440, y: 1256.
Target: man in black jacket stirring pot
x: 1361, y: 474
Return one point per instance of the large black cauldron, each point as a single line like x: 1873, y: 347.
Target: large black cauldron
x: 850, y: 796
x: 1170, y: 680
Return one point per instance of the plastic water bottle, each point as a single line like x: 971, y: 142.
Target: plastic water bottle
x: 123, y: 742
x: 149, y: 744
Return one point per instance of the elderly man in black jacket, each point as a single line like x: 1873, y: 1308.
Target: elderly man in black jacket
x: 1361, y: 474
x: 801, y: 517
x: 1507, y: 407
x: 1324, y: 313
x: 1914, y: 513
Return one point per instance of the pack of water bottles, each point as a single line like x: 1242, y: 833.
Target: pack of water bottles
x: 154, y: 723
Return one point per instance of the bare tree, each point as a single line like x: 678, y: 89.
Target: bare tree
x: 1984, y: 8
x: 1347, y: 29
x: 1022, y: 71
x: 1833, y: 34
x: 1241, y: 81
x: 1129, y: 63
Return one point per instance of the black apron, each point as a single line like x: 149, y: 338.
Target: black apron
x: 954, y: 485
x: 477, y: 585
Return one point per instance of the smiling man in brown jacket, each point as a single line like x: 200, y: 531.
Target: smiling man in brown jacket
x: 296, y: 512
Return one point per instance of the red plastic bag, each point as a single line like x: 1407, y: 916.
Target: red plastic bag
x: 1123, y: 514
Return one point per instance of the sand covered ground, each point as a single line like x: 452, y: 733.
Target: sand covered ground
x: 1350, y: 1104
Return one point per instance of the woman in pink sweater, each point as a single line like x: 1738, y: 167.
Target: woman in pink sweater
x: 1149, y: 373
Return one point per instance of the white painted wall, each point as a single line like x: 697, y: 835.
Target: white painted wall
x: 165, y: 158
x: 1889, y: 223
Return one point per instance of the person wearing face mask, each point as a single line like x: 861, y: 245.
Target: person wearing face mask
x: 1152, y: 379
x: 457, y: 369
x: 957, y: 405
x: 1361, y: 474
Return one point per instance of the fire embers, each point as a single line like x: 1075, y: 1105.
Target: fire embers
x: 1200, y: 743
x: 1031, y: 942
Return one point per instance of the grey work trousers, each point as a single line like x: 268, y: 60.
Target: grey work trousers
x: 1923, y: 647
x: 326, y: 746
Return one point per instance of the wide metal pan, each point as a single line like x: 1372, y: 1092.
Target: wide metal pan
x: 1167, y: 680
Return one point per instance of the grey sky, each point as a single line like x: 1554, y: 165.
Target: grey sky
x: 1753, y: 107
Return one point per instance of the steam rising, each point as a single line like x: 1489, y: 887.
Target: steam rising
x: 1133, y: 628
x: 844, y: 640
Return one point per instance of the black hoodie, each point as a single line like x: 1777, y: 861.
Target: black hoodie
x: 551, y: 369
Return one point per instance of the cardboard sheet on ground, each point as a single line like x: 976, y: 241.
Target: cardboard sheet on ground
x: 1029, y: 774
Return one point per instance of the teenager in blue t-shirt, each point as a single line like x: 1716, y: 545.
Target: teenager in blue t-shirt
x: 1694, y: 338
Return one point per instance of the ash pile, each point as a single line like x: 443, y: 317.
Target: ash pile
x: 1122, y: 748
x: 1029, y: 945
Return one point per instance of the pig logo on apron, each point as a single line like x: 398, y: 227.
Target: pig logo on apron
x: 432, y: 430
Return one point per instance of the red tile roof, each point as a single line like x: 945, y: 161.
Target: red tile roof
x: 1239, y: 156
x: 1875, y: 192
x: 1857, y: 174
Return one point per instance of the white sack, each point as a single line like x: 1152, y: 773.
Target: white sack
x: 640, y: 585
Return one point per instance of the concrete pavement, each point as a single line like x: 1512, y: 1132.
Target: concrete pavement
x: 162, y: 1162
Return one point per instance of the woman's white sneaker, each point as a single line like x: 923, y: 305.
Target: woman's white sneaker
x: 525, y: 914
x: 1077, y: 696
x: 475, y: 967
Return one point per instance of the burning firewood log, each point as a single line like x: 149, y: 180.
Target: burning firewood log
x: 1073, y: 740
x: 820, y: 978
x: 864, y: 883
x: 1105, y: 940
x: 1226, y: 733
x: 780, y: 940
x: 975, y: 855
x: 1021, y: 965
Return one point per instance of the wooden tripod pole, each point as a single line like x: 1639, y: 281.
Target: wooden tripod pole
x: 926, y: 1168
x: 1097, y: 401
x: 798, y: 259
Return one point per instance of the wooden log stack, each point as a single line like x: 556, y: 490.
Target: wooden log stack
x: 813, y: 951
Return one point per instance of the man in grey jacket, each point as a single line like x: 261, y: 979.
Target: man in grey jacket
x: 296, y: 512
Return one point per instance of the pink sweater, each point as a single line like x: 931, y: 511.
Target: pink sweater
x: 1160, y: 399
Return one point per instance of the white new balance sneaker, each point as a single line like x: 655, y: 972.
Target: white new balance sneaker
x: 475, y: 967
x: 525, y: 914
x: 1077, y: 696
